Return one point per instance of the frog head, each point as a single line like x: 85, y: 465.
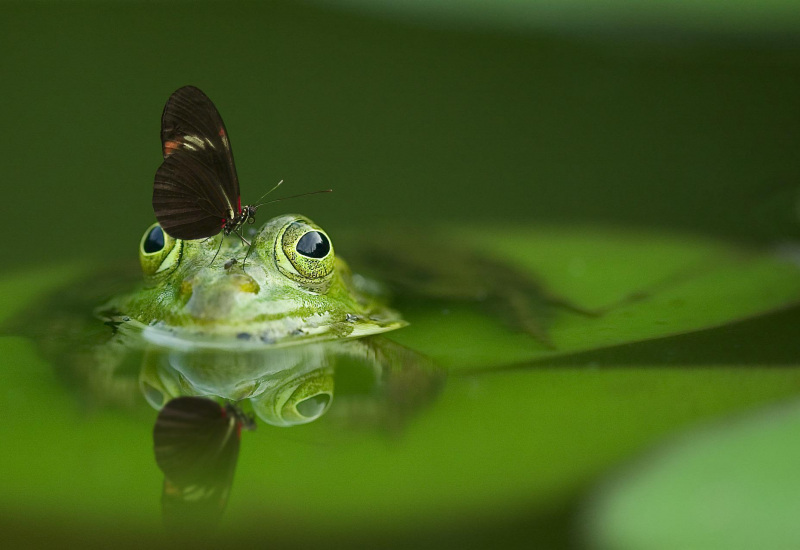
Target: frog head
x: 284, y: 288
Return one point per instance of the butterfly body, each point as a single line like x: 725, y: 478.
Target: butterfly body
x: 247, y: 214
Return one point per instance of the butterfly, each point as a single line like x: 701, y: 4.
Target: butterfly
x: 196, y: 445
x: 196, y: 190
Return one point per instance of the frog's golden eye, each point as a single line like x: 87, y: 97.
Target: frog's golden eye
x: 305, y: 254
x: 159, y: 253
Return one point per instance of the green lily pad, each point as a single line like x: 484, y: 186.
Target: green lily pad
x: 730, y: 485
x: 646, y: 286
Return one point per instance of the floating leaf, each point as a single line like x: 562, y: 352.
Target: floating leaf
x: 646, y: 286
x: 730, y: 485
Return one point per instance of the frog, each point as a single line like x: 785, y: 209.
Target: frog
x: 265, y: 321
x: 289, y: 288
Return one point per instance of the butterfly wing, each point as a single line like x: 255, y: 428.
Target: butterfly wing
x: 196, y: 188
x: 187, y: 201
x: 195, y: 440
x: 194, y: 508
x: 196, y: 445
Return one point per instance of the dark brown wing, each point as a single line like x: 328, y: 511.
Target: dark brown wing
x: 187, y: 201
x: 193, y: 195
x: 196, y: 445
x: 196, y: 441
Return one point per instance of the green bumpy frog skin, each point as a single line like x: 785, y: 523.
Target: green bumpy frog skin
x: 291, y: 289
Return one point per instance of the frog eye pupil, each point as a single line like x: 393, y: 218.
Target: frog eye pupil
x: 313, y: 244
x: 154, y: 241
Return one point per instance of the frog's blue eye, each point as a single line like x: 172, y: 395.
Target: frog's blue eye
x: 154, y: 241
x: 313, y: 244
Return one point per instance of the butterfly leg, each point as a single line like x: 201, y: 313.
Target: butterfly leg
x: 246, y: 255
x: 239, y: 234
x: 217, y: 252
x: 249, y: 248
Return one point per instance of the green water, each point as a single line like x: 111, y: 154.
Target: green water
x: 547, y: 134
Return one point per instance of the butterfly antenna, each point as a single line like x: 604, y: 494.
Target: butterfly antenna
x: 270, y: 191
x: 293, y: 197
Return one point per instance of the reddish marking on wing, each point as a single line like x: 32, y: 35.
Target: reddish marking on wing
x: 170, y: 147
x: 239, y: 205
x: 224, y: 221
x: 222, y: 132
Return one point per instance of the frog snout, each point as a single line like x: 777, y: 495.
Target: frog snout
x: 219, y: 300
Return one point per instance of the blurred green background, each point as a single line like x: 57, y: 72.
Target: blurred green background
x: 676, y: 115
x: 670, y: 116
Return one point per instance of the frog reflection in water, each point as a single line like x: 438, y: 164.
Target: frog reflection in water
x: 266, y: 333
x: 268, y: 329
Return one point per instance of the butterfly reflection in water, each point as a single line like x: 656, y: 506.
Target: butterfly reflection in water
x: 196, y: 190
x: 196, y: 444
